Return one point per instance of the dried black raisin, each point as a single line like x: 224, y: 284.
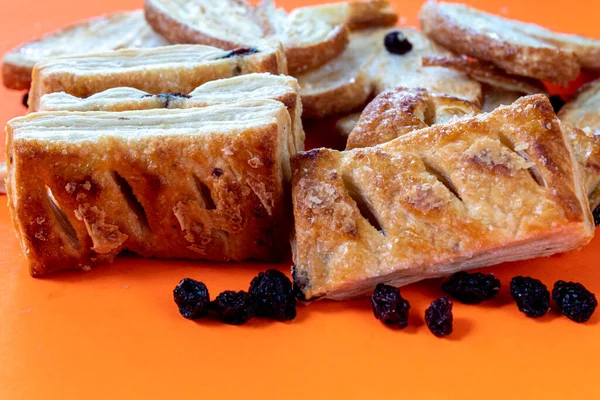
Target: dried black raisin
x: 192, y: 298
x: 596, y: 215
x: 389, y: 307
x: 241, y: 51
x: 574, y: 300
x: 439, y: 317
x: 531, y: 295
x: 557, y: 102
x: 471, y: 288
x: 273, y: 296
x: 234, y: 308
x: 25, y: 100
x: 397, y: 43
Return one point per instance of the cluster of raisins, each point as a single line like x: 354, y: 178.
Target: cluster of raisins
x: 531, y: 296
x: 270, y: 296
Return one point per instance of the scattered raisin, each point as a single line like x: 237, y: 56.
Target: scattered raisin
x: 192, y: 298
x: 439, y: 317
x: 217, y: 172
x: 233, y: 308
x: 557, y: 102
x: 596, y: 215
x: 531, y: 295
x: 471, y: 288
x: 389, y: 307
x: 25, y: 100
x: 273, y: 296
x: 574, y: 300
x: 397, y: 43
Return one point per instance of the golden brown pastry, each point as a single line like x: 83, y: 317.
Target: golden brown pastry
x: 105, y: 33
x: 517, y: 47
x: 582, y: 115
x: 169, y: 69
x: 400, y: 111
x: 229, y: 90
x: 198, y: 183
x: 474, y: 192
x: 3, y: 175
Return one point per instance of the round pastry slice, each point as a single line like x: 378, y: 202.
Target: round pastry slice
x: 517, y: 47
x: 110, y: 32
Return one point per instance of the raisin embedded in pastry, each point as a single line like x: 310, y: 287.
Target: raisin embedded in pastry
x: 473, y: 192
x: 229, y: 90
x: 199, y: 183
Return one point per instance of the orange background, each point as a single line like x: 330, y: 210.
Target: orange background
x: 115, y: 332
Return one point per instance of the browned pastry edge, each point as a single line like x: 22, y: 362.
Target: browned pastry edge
x: 16, y: 77
x: 182, y: 33
x: 306, y: 58
x: 368, y: 14
x: 544, y: 63
x: 342, y: 99
x: 486, y: 72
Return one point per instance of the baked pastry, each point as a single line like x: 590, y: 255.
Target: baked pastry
x: 582, y: 116
x: 346, y: 124
x: 230, y: 90
x: 311, y: 35
x: 366, y: 68
x: 198, y: 183
x: 169, y: 69
x: 499, y: 88
x: 399, y: 111
x: 3, y: 175
x: 517, y: 47
x: 105, y: 33
x: 502, y: 186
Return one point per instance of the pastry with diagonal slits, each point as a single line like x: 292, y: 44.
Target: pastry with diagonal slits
x: 198, y: 183
x: 477, y: 191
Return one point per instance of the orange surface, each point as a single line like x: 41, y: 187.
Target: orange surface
x: 115, y: 332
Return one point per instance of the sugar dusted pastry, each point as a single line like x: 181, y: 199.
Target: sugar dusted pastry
x: 169, y: 69
x: 477, y: 191
x: 199, y: 183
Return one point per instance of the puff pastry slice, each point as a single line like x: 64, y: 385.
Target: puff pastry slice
x: 105, y: 33
x: 474, y: 192
x: 198, y: 183
x: 230, y: 90
x: 169, y: 69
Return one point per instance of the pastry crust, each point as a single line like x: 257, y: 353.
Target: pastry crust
x: 488, y: 73
x: 474, y: 192
x: 230, y: 90
x: 201, y: 183
x: 346, y: 124
x: 366, y: 68
x: 494, y: 97
x: 3, y: 176
x: 516, y: 47
x: 400, y: 111
x: 169, y: 69
x: 582, y: 117
x: 105, y: 33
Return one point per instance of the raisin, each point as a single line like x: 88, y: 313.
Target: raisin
x: 557, y: 102
x: 273, y: 296
x: 192, y: 298
x: 596, y: 215
x: 233, y: 308
x: 531, y: 295
x: 397, y: 43
x: 242, y: 51
x: 25, y: 100
x: 389, y: 307
x: 471, y: 288
x: 439, y: 317
x: 217, y: 172
x: 574, y: 300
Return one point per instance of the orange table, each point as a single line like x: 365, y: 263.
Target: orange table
x: 115, y: 332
